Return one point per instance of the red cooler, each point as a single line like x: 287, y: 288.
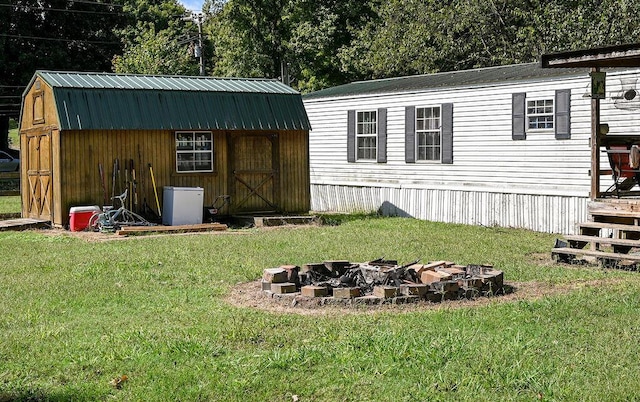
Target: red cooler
x: 79, y: 217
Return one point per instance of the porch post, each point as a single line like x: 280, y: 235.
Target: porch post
x: 595, y: 145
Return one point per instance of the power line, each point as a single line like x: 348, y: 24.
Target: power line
x: 97, y: 42
x: 97, y: 3
x: 63, y: 10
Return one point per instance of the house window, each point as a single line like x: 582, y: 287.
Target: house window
x: 194, y: 151
x: 367, y: 135
x: 539, y: 114
x: 428, y: 144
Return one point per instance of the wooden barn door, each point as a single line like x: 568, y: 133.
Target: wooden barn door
x: 254, y: 173
x: 39, y: 179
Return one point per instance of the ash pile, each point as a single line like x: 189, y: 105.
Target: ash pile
x: 384, y: 280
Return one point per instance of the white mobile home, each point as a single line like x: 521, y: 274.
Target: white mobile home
x: 505, y: 146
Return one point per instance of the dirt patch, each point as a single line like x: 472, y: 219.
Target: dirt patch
x: 249, y: 294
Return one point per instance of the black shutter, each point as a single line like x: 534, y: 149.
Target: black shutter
x: 410, y: 134
x: 563, y: 114
x: 351, y: 136
x: 447, y: 133
x: 381, y: 152
x: 518, y: 116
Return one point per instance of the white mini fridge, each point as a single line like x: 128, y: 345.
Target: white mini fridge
x: 182, y: 205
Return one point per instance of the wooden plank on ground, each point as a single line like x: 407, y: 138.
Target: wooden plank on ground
x: 202, y: 227
x: 594, y: 253
x: 604, y: 240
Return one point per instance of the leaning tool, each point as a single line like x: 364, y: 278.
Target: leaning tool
x: 113, y: 178
x: 104, y: 188
x: 155, y: 190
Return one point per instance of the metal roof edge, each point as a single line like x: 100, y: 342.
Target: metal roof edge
x: 47, y: 76
x: 567, y: 72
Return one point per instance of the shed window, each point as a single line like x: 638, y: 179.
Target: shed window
x: 194, y: 151
x: 367, y: 134
x: 540, y: 114
x: 428, y: 134
x: 38, y: 107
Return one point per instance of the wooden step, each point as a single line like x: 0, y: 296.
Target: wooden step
x: 612, y: 226
x: 604, y: 240
x: 595, y: 253
x: 614, y: 213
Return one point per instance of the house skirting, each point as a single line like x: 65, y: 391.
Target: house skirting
x: 542, y: 213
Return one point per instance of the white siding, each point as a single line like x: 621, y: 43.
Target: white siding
x: 539, y: 183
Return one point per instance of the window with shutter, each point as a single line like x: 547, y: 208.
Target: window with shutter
x: 530, y: 115
x: 429, y: 134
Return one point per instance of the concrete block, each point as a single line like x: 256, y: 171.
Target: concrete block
x: 275, y: 275
x: 346, y: 293
x: 385, y: 292
x: 265, y: 285
x: 493, y: 277
x: 292, y: 273
x: 283, y: 288
x: 414, y: 290
x: 447, y: 286
x: 429, y: 277
x: 314, y: 291
x: 470, y: 283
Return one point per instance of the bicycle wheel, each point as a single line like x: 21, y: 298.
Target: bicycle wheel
x: 94, y: 222
x: 130, y: 218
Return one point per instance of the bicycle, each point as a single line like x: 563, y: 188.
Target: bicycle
x: 110, y: 220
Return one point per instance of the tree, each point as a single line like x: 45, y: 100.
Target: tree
x: 156, y: 53
x: 55, y: 35
x: 422, y: 36
x: 156, y: 41
x: 261, y: 38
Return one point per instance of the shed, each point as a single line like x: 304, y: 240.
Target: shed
x: 500, y: 146
x: 82, y: 136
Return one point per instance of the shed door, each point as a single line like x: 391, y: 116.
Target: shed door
x: 39, y: 179
x: 254, y: 173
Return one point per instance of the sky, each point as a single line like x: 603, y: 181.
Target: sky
x: 193, y: 5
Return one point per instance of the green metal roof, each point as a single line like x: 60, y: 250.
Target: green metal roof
x: 452, y: 79
x: 127, y: 101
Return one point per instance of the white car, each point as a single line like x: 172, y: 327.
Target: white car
x: 8, y: 163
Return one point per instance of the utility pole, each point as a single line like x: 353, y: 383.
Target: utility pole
x: 198, y: 52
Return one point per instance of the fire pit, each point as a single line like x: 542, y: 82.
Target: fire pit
x: 383, y: 281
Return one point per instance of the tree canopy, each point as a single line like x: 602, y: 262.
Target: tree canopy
x: 313, y: 43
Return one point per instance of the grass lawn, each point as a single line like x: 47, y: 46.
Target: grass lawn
x: 10, y: 205
x: 14, y: 134
x: 76, y: 314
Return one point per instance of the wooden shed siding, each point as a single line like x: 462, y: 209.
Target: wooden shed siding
x: 81, y: 180
x: 50, y: 112
x: 294, y: 171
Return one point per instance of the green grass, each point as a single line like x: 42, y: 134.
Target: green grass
x: 76, y: 314
x: 10, y: 205
x: 14, y: 134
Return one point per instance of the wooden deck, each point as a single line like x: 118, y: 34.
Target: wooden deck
x: 23, y: 224
x: 611, y: 235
